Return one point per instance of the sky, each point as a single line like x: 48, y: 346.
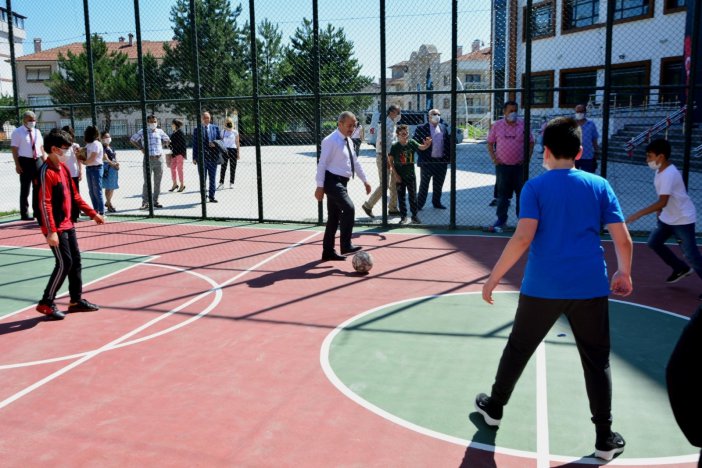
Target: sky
x: 409, y: 23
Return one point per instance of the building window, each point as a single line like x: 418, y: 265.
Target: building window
x: 447, y: 103
x: 582, y: 84
x: 117, y: 127
x: 39, y: 100
x: 473, y: 78
x: 19, y: 22
x: 3, y: 15
x: 626, y: 9
x: 672, y: 74
x: 630, y: 84
x: 580, y: 13
x: 672, y: 6
x: 541, y: 89
x: 446, y: 80
x: 543, y: 20
x: 38, y: 73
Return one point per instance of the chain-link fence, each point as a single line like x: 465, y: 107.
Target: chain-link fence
x: 283, y: 71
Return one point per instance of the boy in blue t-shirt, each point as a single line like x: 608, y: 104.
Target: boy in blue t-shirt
x: 561, y: 215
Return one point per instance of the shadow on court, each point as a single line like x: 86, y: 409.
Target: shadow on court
x: 20, y: 325
x: 316, y: 269
x: 478, y: 457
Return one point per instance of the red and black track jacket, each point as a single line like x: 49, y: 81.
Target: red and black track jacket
x: 51, y: 198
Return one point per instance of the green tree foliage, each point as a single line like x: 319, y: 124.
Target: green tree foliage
x: 8, y: 114
x: 222, y: 54
x: 339, y: 72
x: 115, y: 80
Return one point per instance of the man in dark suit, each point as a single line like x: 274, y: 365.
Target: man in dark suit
x: 433, y: 162
x: 208, y: 160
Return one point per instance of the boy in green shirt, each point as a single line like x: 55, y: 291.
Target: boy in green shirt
x: 402, y: 163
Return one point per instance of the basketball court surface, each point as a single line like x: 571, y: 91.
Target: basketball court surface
x: 231, y: 344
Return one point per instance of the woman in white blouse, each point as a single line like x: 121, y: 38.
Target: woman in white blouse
x: 230, y: 136
x: 93, y: 167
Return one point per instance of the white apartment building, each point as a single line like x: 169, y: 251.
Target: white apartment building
x: 568, y: 49
x: 424, y: 70
x: 20, y: 35
x: 34, y: 69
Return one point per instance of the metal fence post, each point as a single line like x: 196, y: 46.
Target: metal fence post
x: 526, y: 94
x: 454, y: 120
x: 13, y: 59
x: 317, y: 97
x: 198, y: 108
x: 383, y: 118
x: 91, y: 71
x: 607, y: 86
x: 256, y: 109
x: 142, y: 101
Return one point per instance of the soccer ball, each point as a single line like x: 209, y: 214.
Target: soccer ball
x: 362, y: 262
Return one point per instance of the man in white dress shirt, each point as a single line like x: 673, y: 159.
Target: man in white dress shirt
x: 28, y: 152
x: 337, y: 164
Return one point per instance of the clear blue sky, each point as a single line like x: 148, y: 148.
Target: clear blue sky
x: 409, y: 24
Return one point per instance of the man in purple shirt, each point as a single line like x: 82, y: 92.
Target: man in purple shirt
x: 506, y: 149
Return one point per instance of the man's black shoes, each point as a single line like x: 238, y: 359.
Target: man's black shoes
x: 82, y: 306
x: 351, y: 249
x: 332, y: 256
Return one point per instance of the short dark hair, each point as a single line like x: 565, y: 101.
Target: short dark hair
x: 178, y: 123
x: 510, y: 103
x: 102, y: 135
x: 562, y: 137
x: 393, y: 108
x: 58, y: 138
x: 402, y: 127
x: 659, y: 146
x: 151, y: 117
x: 91, y: 134
x: 68, y: 129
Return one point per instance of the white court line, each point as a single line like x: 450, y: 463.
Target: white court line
x: 353, y: 396
x: 114, y: 343
x: 543, y: 451
x: 147, y: 258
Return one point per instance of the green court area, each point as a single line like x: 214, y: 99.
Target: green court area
x: 421, y: 362
x: 24, y: 273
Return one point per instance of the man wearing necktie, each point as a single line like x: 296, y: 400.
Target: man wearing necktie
x: 337, y: 164
x: 208, y: 163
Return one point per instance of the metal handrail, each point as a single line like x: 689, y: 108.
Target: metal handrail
x: 664, y: 124
x: 696, y: 152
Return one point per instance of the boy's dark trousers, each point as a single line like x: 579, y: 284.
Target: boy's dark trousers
x: 68, y: 264
x: 408, y: 184
x: 340, y: 213
x: 589, y: 321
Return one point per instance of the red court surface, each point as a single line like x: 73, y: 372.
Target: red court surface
x: 209, y: 354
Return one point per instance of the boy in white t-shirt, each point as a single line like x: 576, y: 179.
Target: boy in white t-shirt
x: 676, y: 214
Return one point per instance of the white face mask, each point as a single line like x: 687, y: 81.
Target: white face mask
x: 654, y: 165
x: 396, y: 118
x: 153, y: 126
x: 436, y: 119
x: 511, y: 117
x: 31, y: 124
x: 107, y: 141
x: 544, y: 164
x: 579, y: 116
x: 64, y: 154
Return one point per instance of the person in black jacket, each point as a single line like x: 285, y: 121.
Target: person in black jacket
x: 179, y: 155
x: 433, y: 161
x: 684, y: 384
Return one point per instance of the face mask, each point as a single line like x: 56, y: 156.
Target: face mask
x: 107, y: 141
x: 654, y: 165
x: 31, y: 124
x: 511, y: 117
x: 579, y: 116
x: 63, y: 155
x: 153, y: 126
x: 436, y: 119
x: 396, y: 118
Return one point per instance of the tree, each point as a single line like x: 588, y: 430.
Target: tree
x: 221, y: 52
x: 7, y: 109
x: 339, y: 71
x: 115, y: 80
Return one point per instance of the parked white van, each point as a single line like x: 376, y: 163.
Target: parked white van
x: 410, y: 118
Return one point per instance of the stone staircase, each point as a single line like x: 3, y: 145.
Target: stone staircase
x: 618, y: 153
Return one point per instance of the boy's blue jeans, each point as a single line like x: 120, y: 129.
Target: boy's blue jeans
x: 686, y: 234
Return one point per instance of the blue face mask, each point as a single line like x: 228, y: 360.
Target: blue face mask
x: 511, y: 117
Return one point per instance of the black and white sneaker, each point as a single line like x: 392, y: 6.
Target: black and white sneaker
x: 609, y: 445
x: 678, y: 275
x: 491, y: 411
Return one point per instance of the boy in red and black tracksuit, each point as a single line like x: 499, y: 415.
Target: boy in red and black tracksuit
x: 58, y: 204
